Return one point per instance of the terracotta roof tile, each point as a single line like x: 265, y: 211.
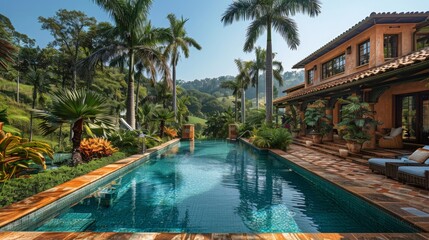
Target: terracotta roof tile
x: 415, y: 57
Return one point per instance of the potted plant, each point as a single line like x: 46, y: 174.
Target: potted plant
x: 318, y: 120
x: 357, y: 118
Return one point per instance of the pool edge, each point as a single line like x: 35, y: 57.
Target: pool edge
x: 21, y: 211
x: 423, y: 226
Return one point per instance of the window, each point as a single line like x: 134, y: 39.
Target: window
x: 364, y: 52
x: 390, y: 46
x: 422, y: 40
x: 422, y: 36
x: 333, y: 66
x: 310, y: 76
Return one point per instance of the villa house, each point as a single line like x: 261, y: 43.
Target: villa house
x: 385, y: 60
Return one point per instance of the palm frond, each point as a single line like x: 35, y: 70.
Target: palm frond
x: 254, y: 31
x: 288, y: 29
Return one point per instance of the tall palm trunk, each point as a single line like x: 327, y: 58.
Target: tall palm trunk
x: 257, y: 89
x: 137, y: 97
x: 174, y: 90
x: 269, y: 77
x: 33, y: 105
x: 243, y: 104
x: 77, y: 129
x: 131, y: 113
x: 236, y: 107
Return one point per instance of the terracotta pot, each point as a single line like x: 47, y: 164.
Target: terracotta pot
x: 317, y: 138
x: 1, y: 126
x: 354, y: 147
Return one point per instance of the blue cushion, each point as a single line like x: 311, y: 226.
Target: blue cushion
x: 383, y: 161
x: 414, y: 170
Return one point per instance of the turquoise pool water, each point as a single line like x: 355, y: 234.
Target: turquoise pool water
x: 219, y: 186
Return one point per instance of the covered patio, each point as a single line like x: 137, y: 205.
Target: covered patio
x: 396, y: 92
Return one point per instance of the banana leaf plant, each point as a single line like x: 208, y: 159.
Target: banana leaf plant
x: 18, y: 154
x: 317, y: 119
x: 357, y: 118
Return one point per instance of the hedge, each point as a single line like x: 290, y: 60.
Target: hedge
x: 17, y: 189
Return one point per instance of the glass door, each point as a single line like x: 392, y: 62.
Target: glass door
x: 413, y: 115
x: 425, y: 118
x: 408, y: 118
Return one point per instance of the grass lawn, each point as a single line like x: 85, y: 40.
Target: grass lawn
x: 195, y: 120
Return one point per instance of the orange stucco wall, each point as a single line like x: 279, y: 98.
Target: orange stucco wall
x: 384, y: 107
x: 376, y: 36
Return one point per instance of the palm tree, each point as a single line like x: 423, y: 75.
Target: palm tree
x: 130, y: 18
x: 37, y: 78
x: 178, y: 40
x: 259, y: 65
x: 7, y: 50
x: 269, y: 15
x: 235, y: 86
x: 244, y: 79
x: 146, y: 114
x: 163, y: 115
x: 80, y: 109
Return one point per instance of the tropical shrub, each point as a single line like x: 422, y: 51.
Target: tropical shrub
x: 267, y: 137
x: 96, y: 148
x: 17, y: 189
x: 18, y: 154
x: 170, y: 132
x: 317, y: 119
x: 357, y: 117
x: 83, y: 110
x: 126, y: 141
x: 217, y: 124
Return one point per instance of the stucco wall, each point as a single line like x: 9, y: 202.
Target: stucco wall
x: 376, y: 36
x: 384, y: 107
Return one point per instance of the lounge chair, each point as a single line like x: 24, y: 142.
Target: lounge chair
x: 379, y: 164
x: 417, y: 175
x: 392, y: 140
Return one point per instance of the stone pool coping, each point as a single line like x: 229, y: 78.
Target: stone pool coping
x: 212, y: 236
x: 31, y: 204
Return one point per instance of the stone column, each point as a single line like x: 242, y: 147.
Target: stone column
x: 301, y: 114
x: 232, y: 131
x: 372, y: 143
x: 188, y: 132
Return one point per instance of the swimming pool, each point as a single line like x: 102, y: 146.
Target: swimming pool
x: 220, y: 186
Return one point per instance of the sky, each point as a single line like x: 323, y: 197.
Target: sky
x: 220, y: 44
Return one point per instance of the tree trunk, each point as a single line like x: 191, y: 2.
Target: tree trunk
x: 137, y: 99
x: 131, y: 113
x: 257, y: 89
x: 236, y: 107
x: 33, y: 105
x: 243, y: 105
x: 269, y: 77
x: 17, y: 85
x: 74, y: 81
x: 60, y: 136
x: 174, y: 91
x: 77, y: 129
x: 161, y: 129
